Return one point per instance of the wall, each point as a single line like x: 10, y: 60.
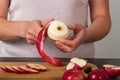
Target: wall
x: 109, y: 47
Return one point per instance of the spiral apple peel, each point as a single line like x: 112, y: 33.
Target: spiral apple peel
x: 56, y: 30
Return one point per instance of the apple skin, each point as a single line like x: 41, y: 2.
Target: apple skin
x: 112, y: 72
x: 77, y: 67
x: 98, y: 74
x: 73, y: 74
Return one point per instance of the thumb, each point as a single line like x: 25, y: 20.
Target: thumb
x: 72, y: 26
x: 46, y: 22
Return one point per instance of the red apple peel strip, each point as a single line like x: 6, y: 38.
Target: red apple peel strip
x: 49, y: 59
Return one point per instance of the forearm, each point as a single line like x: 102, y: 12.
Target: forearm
x: 12, y: 30
x: 99, y: 28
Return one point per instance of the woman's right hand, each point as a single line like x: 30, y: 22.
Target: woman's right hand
x: 34, y: 28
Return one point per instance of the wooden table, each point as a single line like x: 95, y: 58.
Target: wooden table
x: 53, y: 73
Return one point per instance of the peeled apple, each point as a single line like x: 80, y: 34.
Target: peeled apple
x: 57, y: 30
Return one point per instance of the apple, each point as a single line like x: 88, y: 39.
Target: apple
x: 112, y: 70
x: 88, y: 68
x: 57, y: 30
x: 98, y: 74
x: 72, y: 65
x: 80, y: 62
x: 73, y: 74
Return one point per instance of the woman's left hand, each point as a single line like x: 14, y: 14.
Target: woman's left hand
x: 79, y: 37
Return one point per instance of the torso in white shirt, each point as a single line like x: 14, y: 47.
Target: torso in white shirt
x: 68, y: 11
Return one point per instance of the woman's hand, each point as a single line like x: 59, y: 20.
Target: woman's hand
x: 34, y: 29
x: 79, y: 37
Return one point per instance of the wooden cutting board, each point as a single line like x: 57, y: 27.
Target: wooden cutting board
x: 53, y: 73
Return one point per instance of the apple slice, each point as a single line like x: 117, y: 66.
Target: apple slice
x: 5, y: 69
x: 36, y: 67
x: 80, y: 62
x: 10, y: 69
x: 112, y: 70
x: 72, y: 65
x: 19, y: 70
x: 26, y: 69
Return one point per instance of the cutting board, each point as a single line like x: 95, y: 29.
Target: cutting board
x: 53, y: 73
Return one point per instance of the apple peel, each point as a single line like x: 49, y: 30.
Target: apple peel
x: 49, y: 59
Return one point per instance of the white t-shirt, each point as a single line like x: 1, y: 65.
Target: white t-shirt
x: 68, y: 11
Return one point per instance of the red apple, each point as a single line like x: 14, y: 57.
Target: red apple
x: 112, y: 70
x: 98, y: 74
x: 73, y: 74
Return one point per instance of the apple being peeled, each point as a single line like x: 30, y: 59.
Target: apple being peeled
x: 57, y: 30
x: 112, y: 70
x: 73, y: 74
x: 98, y: 74
x: 38, y: 67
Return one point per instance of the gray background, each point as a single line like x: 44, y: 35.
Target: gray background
x: 109, y: 47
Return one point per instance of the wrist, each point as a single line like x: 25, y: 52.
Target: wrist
x: 24, y: 28
x: 87, y: 35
